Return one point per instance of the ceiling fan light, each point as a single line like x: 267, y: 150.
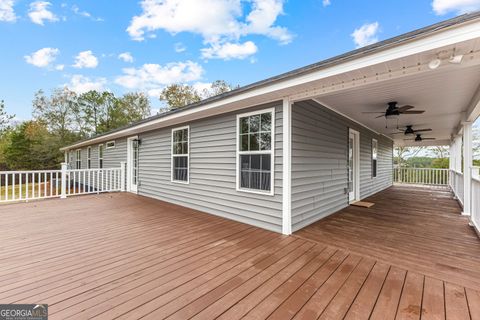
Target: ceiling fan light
x: 434, y: 64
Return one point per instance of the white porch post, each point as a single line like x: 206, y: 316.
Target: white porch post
x: 122, y: 175
x: 287, y: 167
x: 467, y: 168
x: 63, y: 191
x: 458, y: 154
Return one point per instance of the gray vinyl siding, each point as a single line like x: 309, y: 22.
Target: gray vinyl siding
x: 212, y: 186
x: 111, y: 157
x: 319, y: 162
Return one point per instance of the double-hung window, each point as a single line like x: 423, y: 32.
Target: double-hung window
x: 79, y: 159
x: 100, y: 156
x: 374, y: 157
x: 255, y: 157
x: 89, y: 157
x: 180, y: 154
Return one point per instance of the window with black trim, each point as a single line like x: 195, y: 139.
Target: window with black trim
x: 100, y: 156
x: 255, y: 155
x: 78, y: 163
x: 180, y: 155
x: 374, y: 157
x: 89, y: 157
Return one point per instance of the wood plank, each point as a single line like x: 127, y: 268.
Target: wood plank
x: 456, y: 305
x: 365, y: 301
x: 388, y: 300
x: 433, y: 305
x: 410, y: 307
x: 473, y: 298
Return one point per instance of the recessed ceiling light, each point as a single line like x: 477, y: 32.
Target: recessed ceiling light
x: 434, y: 64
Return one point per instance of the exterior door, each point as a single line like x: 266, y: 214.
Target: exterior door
x: 132, y: 164
x: 353, y: 165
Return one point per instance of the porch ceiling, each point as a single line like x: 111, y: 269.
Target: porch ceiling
x: 445, y: 95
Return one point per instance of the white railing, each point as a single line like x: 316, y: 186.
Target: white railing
x: 43, y: 184
x: 422, y: 176
x: 476, y: 197
x: 456, y: 184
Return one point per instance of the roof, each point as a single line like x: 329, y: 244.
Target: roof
x: 351, y: 55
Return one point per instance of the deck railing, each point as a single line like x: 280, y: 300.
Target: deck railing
x: 456, y: 184
x: 422, y: 176
x: 476, y: 197
x: 43, y: 184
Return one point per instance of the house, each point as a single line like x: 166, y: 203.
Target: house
x: 287, y: 151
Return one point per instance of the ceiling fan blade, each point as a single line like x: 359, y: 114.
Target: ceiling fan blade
x: 420, y: 130
x: 374, y: 112
x: 405, y: 108
x: 380, y: 116
x: 400, y: 132
x: 412, y: 112
x: 428, y: 139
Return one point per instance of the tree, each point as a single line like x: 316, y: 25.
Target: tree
x: 5, y: 118
x: 32, y: 147
x: 92, y: 102
x: 178, y: 96
x: 403, y: 153
x: 59, y: 112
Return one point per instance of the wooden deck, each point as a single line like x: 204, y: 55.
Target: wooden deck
x: 129, y: 257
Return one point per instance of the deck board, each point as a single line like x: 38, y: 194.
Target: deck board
x: 129, y: 257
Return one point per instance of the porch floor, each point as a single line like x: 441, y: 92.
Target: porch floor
x: 126, y: 256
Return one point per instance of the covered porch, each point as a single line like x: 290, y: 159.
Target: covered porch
x: 125, y: 256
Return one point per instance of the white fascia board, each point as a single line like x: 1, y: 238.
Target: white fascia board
x: 278, y: 89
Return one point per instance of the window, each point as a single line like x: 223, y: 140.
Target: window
x: 374, y: 157
x: 89, y: 157
x: 100, y: 156
x: 79, y: 159
x: 255, y: 133
x: 110, y: 144
x: 180, y: 154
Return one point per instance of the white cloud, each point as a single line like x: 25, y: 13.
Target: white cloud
x: 180, y: 47
x: 154, y: 77
x: 441, y: 7
x: 227, y: 51
x: 84, y: 14
x: 217, y: 21
x: 43, y: 57
x: 126, y: 57
x: 7, y: 13
x: 59, y: 67
x: 85, y: 59
x: 366, y: 34
x: 81, y: 84
x: 39, y: 12
x: 326, y: 3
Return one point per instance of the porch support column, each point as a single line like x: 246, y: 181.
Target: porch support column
x: 467, y: 168
x: 287, y: 167
x: 458, y: 154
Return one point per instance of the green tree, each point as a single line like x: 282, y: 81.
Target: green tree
x: 178, y: 96
x: 218, y: 87
x: 5, y: 118
x: 32, y: 147
x: 59, y: 112
x: 91, y: 103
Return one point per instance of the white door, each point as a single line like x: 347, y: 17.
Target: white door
x: 353, y: 165
x: 132, y: 164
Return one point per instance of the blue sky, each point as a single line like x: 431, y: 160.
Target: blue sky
x: 127, y: 46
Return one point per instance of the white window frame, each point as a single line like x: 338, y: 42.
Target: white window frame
x: 376, y: 159
x: 110, y: 142
x: 89, y: 158
x: 180, y: 155
x: 78, y: 159
x: 100, y: 156
x: 271, y: 152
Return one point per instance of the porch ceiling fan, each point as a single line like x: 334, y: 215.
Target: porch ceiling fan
x: 410, y: 131
x: 419, y: 138
x: 393, y: 110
